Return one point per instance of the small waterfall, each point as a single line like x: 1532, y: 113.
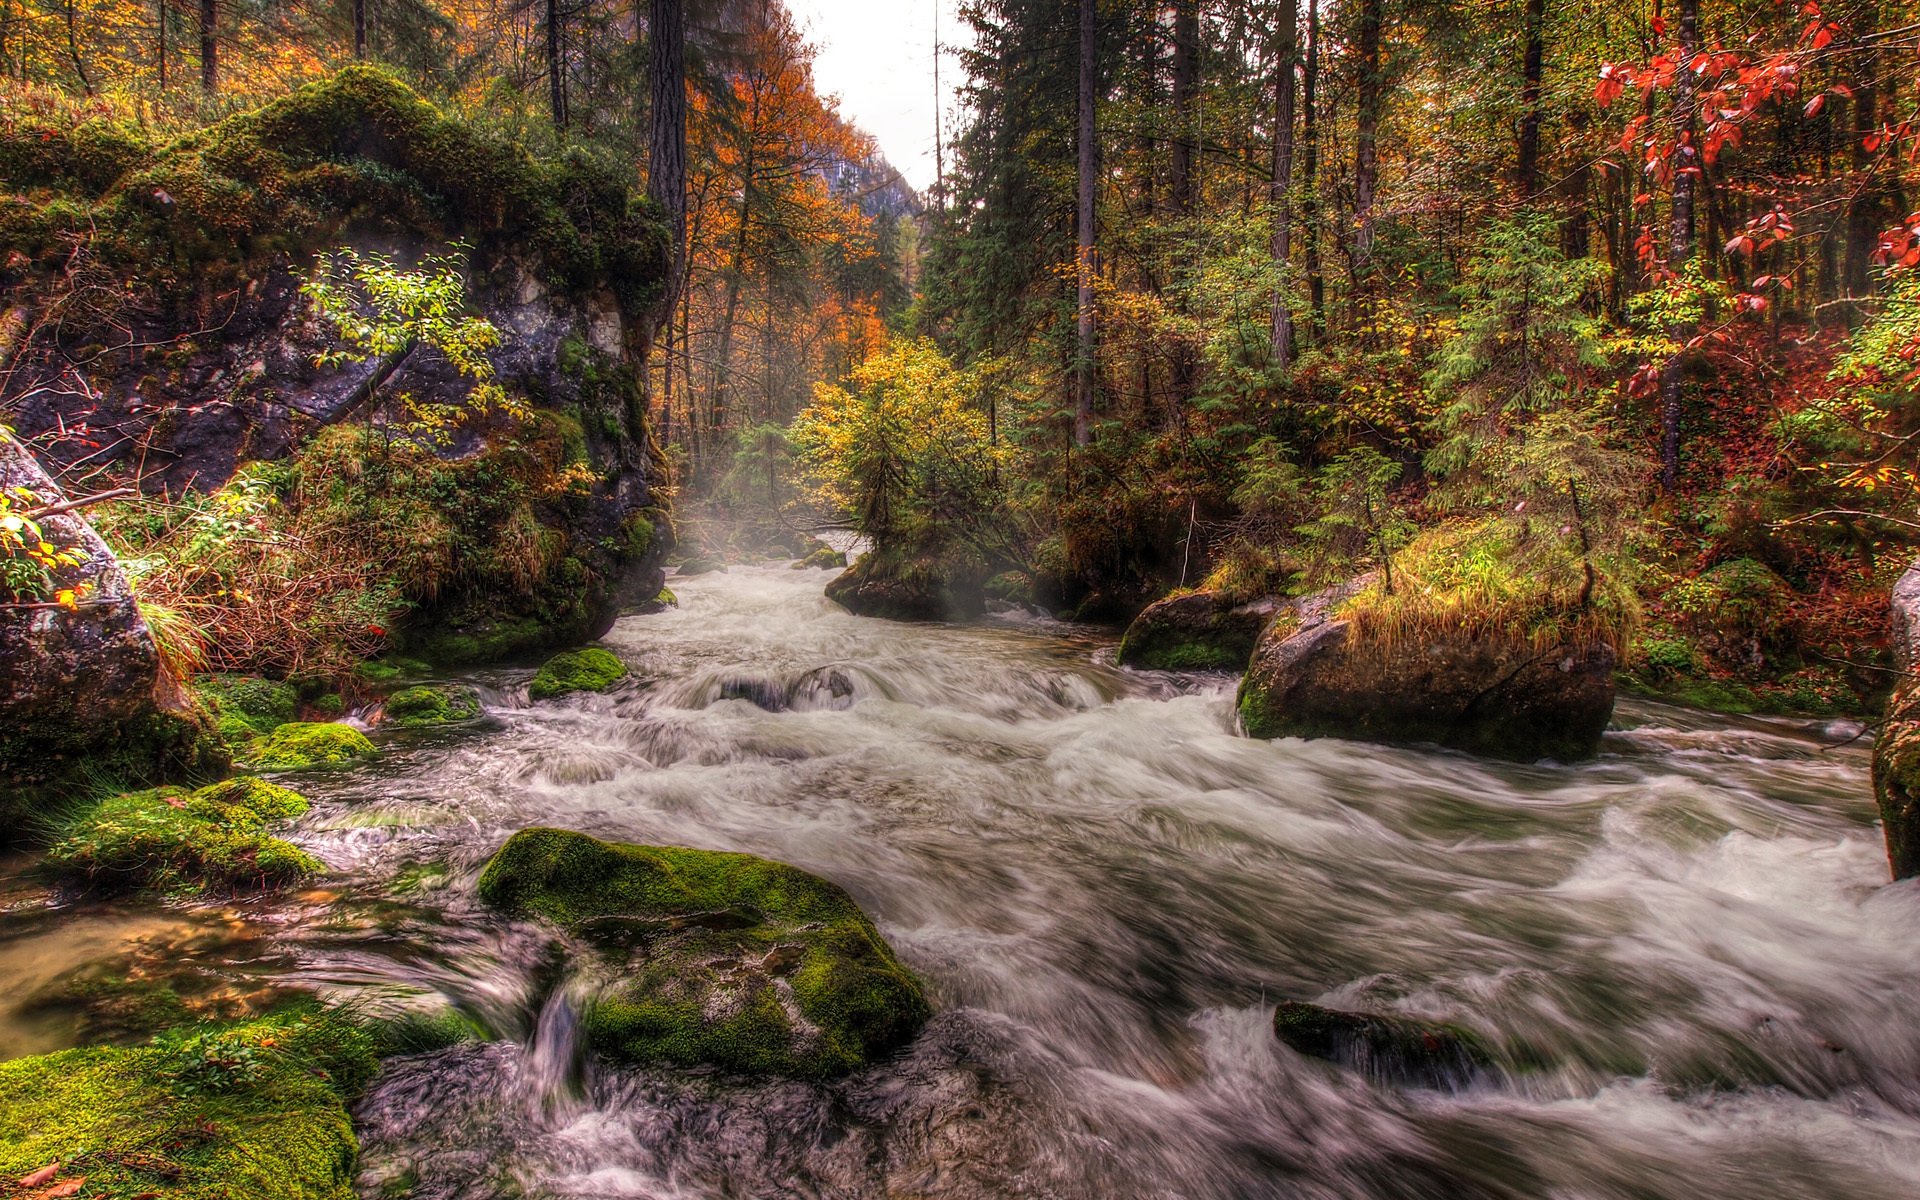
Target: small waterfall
x: 555, y: 1070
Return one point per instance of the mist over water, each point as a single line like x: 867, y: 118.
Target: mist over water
x: 1686, y: 950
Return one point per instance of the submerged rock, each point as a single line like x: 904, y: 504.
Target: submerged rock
x: 1896, y: 752
x: 86, y: 683
x: 300, y: 744
x: 711, y: 958
x: 1386, y: 1049
x: 1499, y: 696
x: 167, y: 839
x: 823, y: 557
x: 1196, y: 631
x: 588, y: 670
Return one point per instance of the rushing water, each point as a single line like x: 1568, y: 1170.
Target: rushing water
x: 1686, y: 949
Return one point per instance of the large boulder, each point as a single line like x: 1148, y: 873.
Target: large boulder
x: 1196, y: 631
x: 715, y: 959
x: 1896, y: 752
x: 903, y: 587
x: 84, y: 682
x: 1488, y: 694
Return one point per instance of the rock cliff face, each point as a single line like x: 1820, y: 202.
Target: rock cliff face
x: 1896, y: 752
x: 1493, y: 696
x: 157, y: 328
x: 85, y: 681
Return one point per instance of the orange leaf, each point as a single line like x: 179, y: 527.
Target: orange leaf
x: 42, y: 1176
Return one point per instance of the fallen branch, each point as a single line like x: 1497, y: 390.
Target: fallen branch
x: 67, y: 506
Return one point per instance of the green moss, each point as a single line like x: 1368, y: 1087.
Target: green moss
x: 245, y: 702
x: 418, y: 707
x: 302, y: 744
x: 392, y: 670
x: 666, y: 599
x: 825, y: 558
x: 703, y: 947
x: 639, y: 536
x: 221, y: 1112
x: 588, y: 670
x: 170, y: 840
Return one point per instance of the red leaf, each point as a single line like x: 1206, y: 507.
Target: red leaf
x: 42, y: 1176
x: 1660, y: 27
x: 1824, y: 38
x: 1816, y: 104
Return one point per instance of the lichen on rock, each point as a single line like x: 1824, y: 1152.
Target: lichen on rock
x: 712, y: 958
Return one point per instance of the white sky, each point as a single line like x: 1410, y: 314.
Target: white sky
x: 877, y: 56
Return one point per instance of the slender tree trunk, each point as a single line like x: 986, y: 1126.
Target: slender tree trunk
x: 1281, y: 190
x: 1527, y: 167
x: 160, y: 59
x: 556, y: 65
x: 1186, y: 38
x: 1368, y: 97
x: 667, y: 136
x: 1083, y: 373
x: 1863, y: 212
x: 359, y: 28
x: 1685, y: 171
x: 1310, y: 169
x: 209, y: 46
x: 73, y: 50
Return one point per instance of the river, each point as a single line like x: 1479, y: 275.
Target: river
x: 1686, y: 951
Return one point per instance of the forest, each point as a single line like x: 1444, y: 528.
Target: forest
x: 1325, y: 607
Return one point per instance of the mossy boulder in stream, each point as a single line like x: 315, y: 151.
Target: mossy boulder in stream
x: 222, y: 1112
x: 301, y: 744
x: 908, y: 587
x: 432, y: 704
x: 1386, y: 1049
x: 712, y: 958
x: 1896, y: 752
x: 588, y: 670
x: 215, y: 839
x: 1196, y: 631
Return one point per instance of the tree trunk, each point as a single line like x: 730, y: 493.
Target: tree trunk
x: 160, y: 59
x: 1368, y: 97
x: 1083, y: 373
x: 667, y: 133
x: 73, y: 49
x: 1281, y: 190
x: 1186, y: 38
x: 209, y: 47
x: 556, y: 66
x: 1863, y: 211
x: 1685, y: 171
x: 1527, y: 167
x: 359, y: 28
x: 1310, y: 168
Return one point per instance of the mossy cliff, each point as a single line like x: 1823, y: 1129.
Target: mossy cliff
x: 711, y: 958
x: 204, y: 357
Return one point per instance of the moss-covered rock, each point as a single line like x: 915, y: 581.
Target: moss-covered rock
x: 903, y: 587
x: 167, y: 839
x: 301, y: 744
x: 436, y: 704
x: 588, y: 670
x: 1195, y: 631
x: 259, y: 705
x: 701, y: 565
x: 824, y: 558
x: 1386, y: 1049
x: 218, y: 1113
x: 715, y: 958
x: 1896, y: 752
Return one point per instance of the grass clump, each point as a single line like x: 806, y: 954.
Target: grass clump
x: 1478, y: 579
x: 302, y: 744
x: 166, y: 839
x: 425, y: 706
x: 217, y: 1112
x: 588, y: 670
x: 709, y: 952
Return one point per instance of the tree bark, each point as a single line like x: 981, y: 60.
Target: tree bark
x: 1186, y: 38
x: 556, y: 66
x: 209, y: 46
x: 1281, y: 190
x: 73, y: 49
x: 1368, y: 97
x: 359, y: 28
x: 1685, y: 171
x: 160, y: 59
x: 1084, y: 331
x: 1310, y: 169
x: 1527, y: 164
x: 667, y: 132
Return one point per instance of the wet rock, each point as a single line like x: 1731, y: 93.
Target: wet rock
x: 85, y: 684
x: 710, y: 958
x: 1896, y: 751
x: 1498, y: 696
x: 823, y: 557
x: 1196, y: 631
x: 907, y: 588
x: 301, y: 744
x: 432, y: 704
x: 588, y: 670
x: 701, y: 566
x: 1386, y: 1049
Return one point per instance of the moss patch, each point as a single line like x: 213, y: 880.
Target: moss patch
x: 170, y: 840
x: 717, y: 958
x: 420, y: 707
x: 245, y: 704
x: 588, y: 670
x: 221, y: 1112
x: 303, y: 744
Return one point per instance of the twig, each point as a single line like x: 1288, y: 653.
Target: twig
x: 67, y: 506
